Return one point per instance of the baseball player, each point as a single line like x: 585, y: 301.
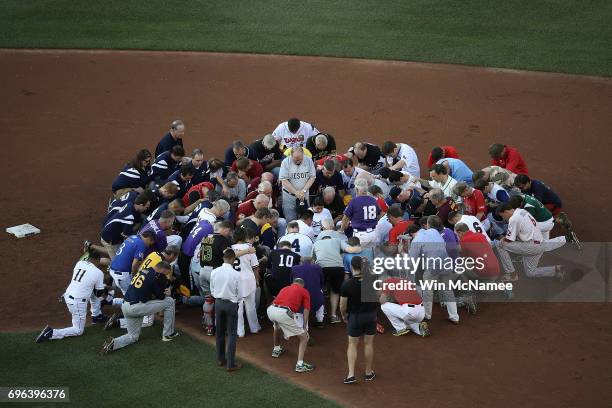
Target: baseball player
x: 473, y: 223
x: 134, y: 176
x: 268, y: 153
x: 174, y: 137
x: 403, y: 307
x: 319, y: 213
x: 507, y: 157
x: 297, y: 174
x: 362, y: 212
x: 147, y: 284
x: 199, y: 232
x: 248, y: 266
x: 300, y: 243
x: 280, y: 262
x: 497, y: 175
x: 321, y: 146
x: 457, y: 169
x: 440, y: 152
x: 128, y: 259
x: 294, y: 133
x: 524, y: 240
x: 182, y: 178
x: 282, y: 313
x: 236, y: 151
x: 401, y: 157
x: 87, y: 279
x: 367, y: 156
x: 442, y: 180
x: 167, y: 163
x: 160, y: 228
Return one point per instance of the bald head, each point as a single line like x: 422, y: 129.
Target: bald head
x: 261, y: 201
x: 267, y: 176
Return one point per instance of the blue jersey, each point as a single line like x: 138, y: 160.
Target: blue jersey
x: 130, y: 177
x: 458, y: 169
x: 156, y: 214
x: 118, y: 203
x: 120, y: 224
x: 160, y: 235
x: 182, y: 185
x: 146, y: 285
x: 230, y: 157
x: 201, y: 174
x: 132, y: 248
x: 163, y: 167
x: 347, y: 258
x: 167, y: 143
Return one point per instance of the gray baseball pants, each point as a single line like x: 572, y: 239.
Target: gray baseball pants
x: 529, y: 253
x: 134, y: 314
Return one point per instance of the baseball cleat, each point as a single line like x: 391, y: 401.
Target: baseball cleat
x: 44, y: 335
x: 98, y: 319
x: 111, y: 322
x: 471, y: 306
x: 370, y: 376
x: 424, y: 329
x: 455, y: 322
x: 86, y: 246
x: 210, y: 331
x: 171, y: 337
x: 107, y: 347
x: 277, y: 351
x: 350, y: 380
x: 571, y: 237
x: 401, y: 332
x: 510, y: 277
x: 304, y: 367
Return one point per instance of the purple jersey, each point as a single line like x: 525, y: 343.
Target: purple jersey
x: 313, y: 282
x: 201, y: 230
x: 363, y: 211
x: 160, y: 236
x: 452, y: 243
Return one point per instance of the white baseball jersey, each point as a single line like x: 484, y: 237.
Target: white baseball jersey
x: 474, y: 225
x: 317, y: 221
x: 523, y: 227
x: 300, y: 243
x: 205, y: 214
x: 306, y: 229
x: 299, y: 138
x: 446, y: 187
x: 85, y: 278
x: 409, y: 156
x: 349, y: 181
x: 411, y: 183
x: 245, y: 265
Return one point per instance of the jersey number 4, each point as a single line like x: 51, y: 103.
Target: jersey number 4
x: 296, y: 245
x: 79, y: 275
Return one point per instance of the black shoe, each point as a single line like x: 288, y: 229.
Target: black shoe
x: 45, y: 335
x: 171, y: 336
x: 370, y: 377
x: 350, y: 380
x: 318, y: 325
x: 101, y: 318
x: 571, y: 237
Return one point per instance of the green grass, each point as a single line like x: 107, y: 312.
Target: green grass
x: 561, y: 35
x: 149, y: 373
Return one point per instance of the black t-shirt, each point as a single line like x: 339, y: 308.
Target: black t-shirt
x: 264, y: 156
x: 351, y: 289
x: 211, y: 250
x: 321, y: 182
x: 250, y: 225
x: 373, y: 158
x: 280, y: 262
x: 336, y: 207
x: 330, y: 149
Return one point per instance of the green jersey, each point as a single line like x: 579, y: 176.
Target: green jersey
x: 534, y: 207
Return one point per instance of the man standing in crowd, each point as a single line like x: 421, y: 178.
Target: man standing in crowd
x: 297, y: 174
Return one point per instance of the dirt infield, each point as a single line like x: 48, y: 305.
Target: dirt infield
x: 71, y: 119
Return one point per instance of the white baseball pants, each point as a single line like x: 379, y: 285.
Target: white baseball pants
x: 78, y: 310
x: 247, y: 304
x: 402, y: 316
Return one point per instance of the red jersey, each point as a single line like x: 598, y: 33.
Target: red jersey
x: 449, y: 151
x: 403, y: 297
x: 339, y: 157
x: 475, y: 203
x: 255, y: 171
x: 382, y: 204
x: 198, y: 188
x: 475, y: 245
x: 512, y: 160
x: 399, y: 229
x: 294, y: 297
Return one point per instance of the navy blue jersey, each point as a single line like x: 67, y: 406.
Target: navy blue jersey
x: 130, y: 177
x: 118, y: 203
x: 146, y: 285
x: 132, y: 248
x: 321, y: 182
x: 120, y: 224
x: 182, y: 185
x: 201, y: 174
x: 544, y: 193
x: 156, y: 213
x: 163, y: 167
x: 230, y: 157
x: 167, y: 143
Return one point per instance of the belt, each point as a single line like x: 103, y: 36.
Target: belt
x: 134, y: 302
x: 536, y: 242
x: 78, y: 300
x: 283, y: 307
x: 365, y: 230
x: 412, y: 305
x: 286, y: 191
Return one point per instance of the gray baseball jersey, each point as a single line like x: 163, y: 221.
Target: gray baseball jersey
x: 297, y: 175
